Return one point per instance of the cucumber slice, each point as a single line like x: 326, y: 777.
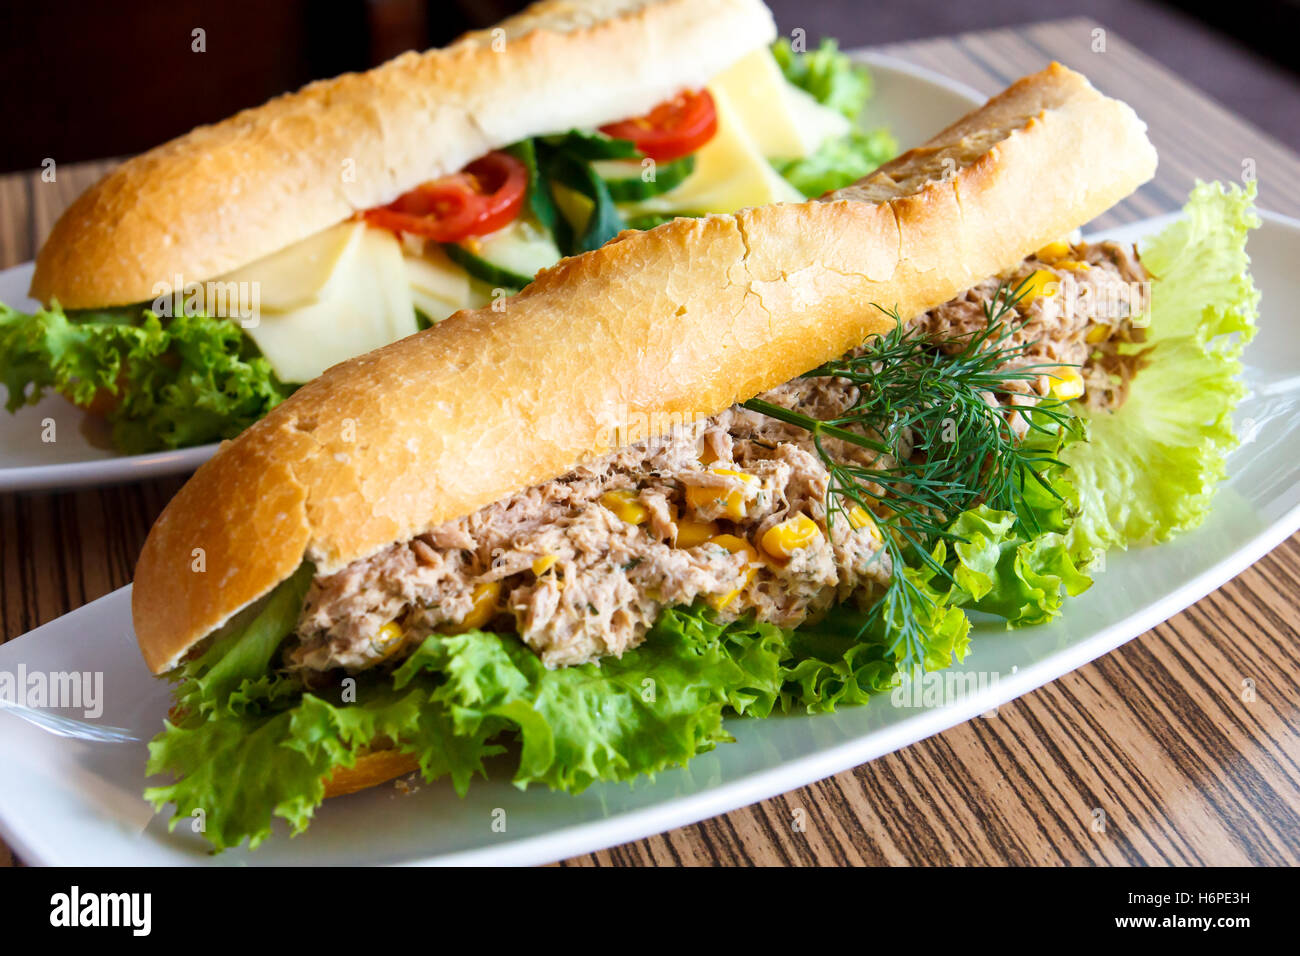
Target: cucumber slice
x: 626, y: 183
x: 592, y: 145
x: 509, y: 258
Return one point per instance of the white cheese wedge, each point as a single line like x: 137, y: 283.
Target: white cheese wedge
x: 363, y: 303
x: 784, y: 121
x: 730, y: 173
x: 439, y: 287
x: 295, y: 275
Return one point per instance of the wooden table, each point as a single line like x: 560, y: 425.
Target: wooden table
x: 1155, y: 734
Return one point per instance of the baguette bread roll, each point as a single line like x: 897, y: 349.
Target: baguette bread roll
x: 682, y: 320
x: 225, y: 195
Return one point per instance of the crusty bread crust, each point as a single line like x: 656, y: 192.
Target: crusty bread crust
x: 371, y: 769
x: 226, y: 195
x: 685, y: 319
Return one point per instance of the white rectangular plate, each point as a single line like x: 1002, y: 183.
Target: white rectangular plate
x: 67, y: 801
x: 909, y: 100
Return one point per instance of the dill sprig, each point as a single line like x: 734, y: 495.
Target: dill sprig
x: 962, y: 450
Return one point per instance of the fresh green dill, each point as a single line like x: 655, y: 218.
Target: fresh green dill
x: 942, y: 444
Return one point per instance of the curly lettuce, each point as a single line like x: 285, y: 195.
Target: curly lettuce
x: 170, y: 383
x: 1150, y: 469
x: 835, y: 81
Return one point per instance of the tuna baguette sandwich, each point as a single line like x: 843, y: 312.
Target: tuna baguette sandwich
x: 197, y: 285
x: 731, y: 464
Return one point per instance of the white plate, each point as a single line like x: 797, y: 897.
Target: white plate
x: 77, y: 802
x: 909, y: 100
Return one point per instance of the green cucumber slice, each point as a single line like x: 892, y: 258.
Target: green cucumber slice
x: 509, y: 258
x: 626, y: 180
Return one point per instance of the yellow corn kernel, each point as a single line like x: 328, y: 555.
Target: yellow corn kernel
x: 783, y: 540
x: 860, y: 517
x: 1054, y: 250
x: 691, y: 533
x: 484, y: 597
x: 1038, y: 283
x: 736, y: 545
x: 735, y: 504
x: 1098, y: 333
x: 623, y: 502
x: 1067, y: 383
x: 544, y: 564
x: 387, y: 639
x: 1072, y: 265
x: 719, y: 601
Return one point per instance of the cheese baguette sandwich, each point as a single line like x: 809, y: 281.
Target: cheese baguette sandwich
x: 730, y: 464
x: 197, y: 285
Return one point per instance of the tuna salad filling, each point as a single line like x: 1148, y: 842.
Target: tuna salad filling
x: 731, y: 511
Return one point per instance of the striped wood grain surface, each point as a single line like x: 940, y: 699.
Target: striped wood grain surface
x: 1155, y: 735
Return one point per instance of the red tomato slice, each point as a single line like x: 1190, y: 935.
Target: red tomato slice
x: 673, y: 129
x: 482, y: 198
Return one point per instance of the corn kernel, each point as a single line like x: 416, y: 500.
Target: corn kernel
x: 544, y: 564
x: 783, y: 540
x: 623, y: 502
x: 1098, y: 333
x: 484, y: 598
x: 691, y: 533
x: 1067, y: 383
x: 719, y: 601
x: 1038, y: 283
x: 1054, y: 250
x: 1072, y: 265
x: 387, y: 639
x: 860, y: 517
x: 735, y: 503
x: 736, y: 545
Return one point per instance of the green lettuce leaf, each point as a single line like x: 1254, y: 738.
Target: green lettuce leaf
x: 235, y: 772
x: 235, y: 665
x: 185, y: 381
x: 839, y: 162
x: 1151, y: 469
x: 653, y: 708
x: 830, y: 76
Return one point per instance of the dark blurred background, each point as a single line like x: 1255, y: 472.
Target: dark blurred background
x: 86, y: 79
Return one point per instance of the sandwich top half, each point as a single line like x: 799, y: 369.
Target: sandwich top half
x: 345, y: 216
x: 675, y: 323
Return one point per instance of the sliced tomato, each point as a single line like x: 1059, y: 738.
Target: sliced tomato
x: 482, y: 198
x: 675, y: 128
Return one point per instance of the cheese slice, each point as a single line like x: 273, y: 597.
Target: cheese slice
x: 295, y: 275
x: 784, y: 121
x: 363, y: 303
x: 730, y: 173
x: 439, y: 287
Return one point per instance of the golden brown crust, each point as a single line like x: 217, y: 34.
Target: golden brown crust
x: 684, y: 319
x: 370, y: 770
x: 225, y: 195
